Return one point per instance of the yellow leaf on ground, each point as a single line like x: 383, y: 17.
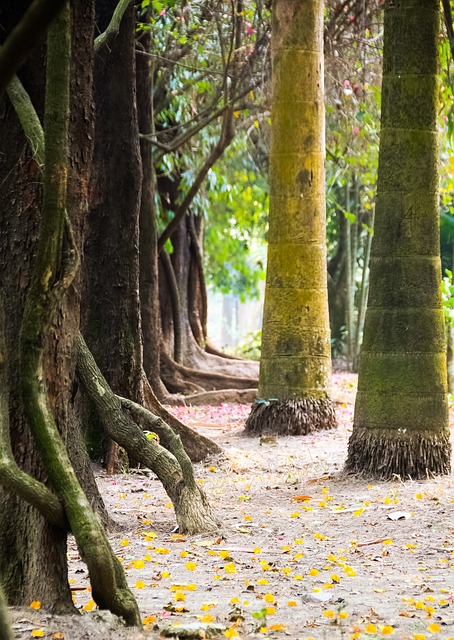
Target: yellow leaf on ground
x: 433, y: 627
x: 90, y: 605
x: 387, y: 630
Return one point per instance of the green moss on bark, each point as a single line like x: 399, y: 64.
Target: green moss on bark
x: 296, y: 353
x: 401, y: 411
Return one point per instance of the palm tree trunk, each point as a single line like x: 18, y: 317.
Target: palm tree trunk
x: 401, y: 413
x: 295, y: 369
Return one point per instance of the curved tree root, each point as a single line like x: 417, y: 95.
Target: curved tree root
x: 176, y: 376
x: 214, y: 351
x: 242, y: 396
x: 192, y: 511
x: 291, y: 417
x: 386, y: 453
x: 197, y: 447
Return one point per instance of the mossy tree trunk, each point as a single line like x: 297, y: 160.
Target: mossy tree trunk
x: 33, y: 561
x: 401, y: 412
x: 6, y: 633
x: 295, y: 368
x: 55, y: 266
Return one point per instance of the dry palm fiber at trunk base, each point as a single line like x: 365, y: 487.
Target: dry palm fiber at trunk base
x: 291, y: 417
x: 385, y: 453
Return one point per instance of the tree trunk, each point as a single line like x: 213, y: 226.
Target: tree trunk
x: 111, y: 307
x: 295, y: 368
x: 6, y: 633
x: 199, y: 370
x: 33, y: 558
x: 148, y: 248
x: 401, y: 411
x: 56, y: 263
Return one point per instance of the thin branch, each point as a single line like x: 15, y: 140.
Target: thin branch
x: 113, y: 27
x: 155, y: 56
x: 225, y: 139
x: 187, y: 135
x: 25, y: 35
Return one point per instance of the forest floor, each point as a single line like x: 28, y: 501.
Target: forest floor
x: 304, y: 551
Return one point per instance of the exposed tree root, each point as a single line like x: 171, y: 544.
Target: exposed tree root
x: 197, y: 358
x: 291, y: 417
x: 197, y: 447
x: 214, y: 351
x: 386, y: 453
x: 243, y: 396
x: 177, y: 376
x: 192, y: 511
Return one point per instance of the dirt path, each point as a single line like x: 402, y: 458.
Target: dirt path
x: 303, y: 551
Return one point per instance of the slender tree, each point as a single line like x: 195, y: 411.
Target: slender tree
x: 295, y: 369
x: 401, y: 412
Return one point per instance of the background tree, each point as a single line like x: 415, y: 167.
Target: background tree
x: 295, y: 366
x: 401, y: 415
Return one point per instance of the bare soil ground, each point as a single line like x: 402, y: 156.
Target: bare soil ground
x: 303, y: 551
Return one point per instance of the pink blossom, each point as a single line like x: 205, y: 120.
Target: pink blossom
x: 346, y: 83
x: 162, y: 12
x: 355, y: 131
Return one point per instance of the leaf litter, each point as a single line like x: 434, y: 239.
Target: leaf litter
x: 305, y: 551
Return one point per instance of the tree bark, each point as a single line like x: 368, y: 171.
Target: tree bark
x: 56, y: 263
x: 174, y: 469
x: 295, y: 367
x: 401, y: 412
x: 33, y: 558
x: 6, y: 631
x: 148, y: 247
x: 111, y: 306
